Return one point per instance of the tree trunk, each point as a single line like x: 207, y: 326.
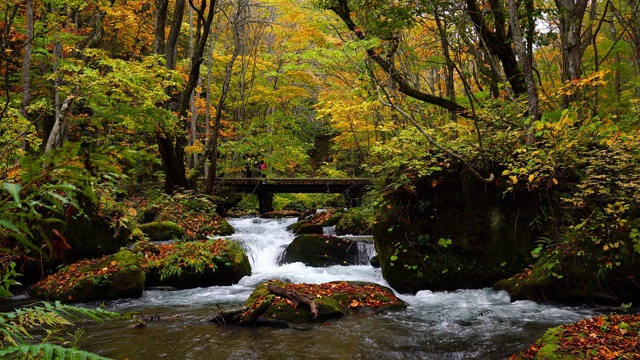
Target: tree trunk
x: 159, y: 24
x: 570, y: 16
x: 26, y: 62
x: 498, y: 42
x: 532, y: 91
x: 449, y: 80
x: 58, y: 132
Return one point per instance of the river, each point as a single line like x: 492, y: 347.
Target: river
x: 464, y: 324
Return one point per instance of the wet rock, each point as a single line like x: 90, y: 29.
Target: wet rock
x: 321, y: 250
x: 375, y: 261
x: 217, y: 226
x: 333, y: 300
x: 162, y: 230
x: 110, y: 277
x: 563, y: 276
x: 454, y: 235
x: 316, y: 223
x: 279, y: 214
x: 185, y: 265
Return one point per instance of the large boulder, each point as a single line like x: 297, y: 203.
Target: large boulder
x: 110, y: 277
x: 162, y: 230
x: 333, y: 300
x: 90, y: 233
x: 448, y: 234
x: 321, y: 250
x: 193, y: 264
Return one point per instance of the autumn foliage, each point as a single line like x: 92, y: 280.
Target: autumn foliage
x: 602, y: 337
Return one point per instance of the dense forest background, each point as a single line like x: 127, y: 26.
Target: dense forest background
x: 529, y: 96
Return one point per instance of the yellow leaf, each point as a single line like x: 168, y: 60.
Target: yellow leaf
x: 531, y: 177
x: 506, y: 172
x: 605, y: 248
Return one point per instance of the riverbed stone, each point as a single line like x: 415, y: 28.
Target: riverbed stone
x: 110, y: 277
x: 333, y: 300
x: 321, y: 250
x: 192, y: 264
x: 162, y: 230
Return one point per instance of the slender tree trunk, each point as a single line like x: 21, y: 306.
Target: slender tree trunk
x: 58, y: 132
x: 26, y: 60
x: 570, y: 18
x: 532, y: 91
x: 451, y: 90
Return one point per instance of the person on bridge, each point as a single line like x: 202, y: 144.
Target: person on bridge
x: 262, y: 168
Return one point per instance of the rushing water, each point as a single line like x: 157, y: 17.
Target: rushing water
x: 464, y: 324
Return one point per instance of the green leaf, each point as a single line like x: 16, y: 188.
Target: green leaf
x: 9, y: 225
x: 13, y: 189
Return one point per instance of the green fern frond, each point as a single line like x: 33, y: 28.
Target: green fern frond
x: 47, y: 351
x: 15, y: 325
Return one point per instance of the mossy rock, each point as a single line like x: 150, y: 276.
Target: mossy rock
x: 602, y: 337
x: 162, y: 230
x: 321, y: 250
x: 91, y: 235
x: 316, y: 223
x: 572, y: 272
x: 306, y: 227
x: 111, y: 277
x: 354, y: 223
x: 333, y: 300
x: 353, y: 229
x: 218, y: 226
x: 452, y: 236
x: 280, y: 214
x: 186, y: 265
x: 225, y: 198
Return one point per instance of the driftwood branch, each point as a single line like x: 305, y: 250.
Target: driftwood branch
x: 296, y: 297
x: 250, y: 318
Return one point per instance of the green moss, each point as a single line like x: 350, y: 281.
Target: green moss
x: 110, y: 277
x: 333, y: 300
x: 162, y: 230
x: 196, y: 264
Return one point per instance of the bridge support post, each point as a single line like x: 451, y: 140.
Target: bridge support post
x: 265, y: 202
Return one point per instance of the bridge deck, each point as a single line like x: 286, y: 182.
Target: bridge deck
x: 295, y: 185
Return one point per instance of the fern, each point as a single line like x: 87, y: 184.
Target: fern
x: 47, y: 351
x: 15, y: 329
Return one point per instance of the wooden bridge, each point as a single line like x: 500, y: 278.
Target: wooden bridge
x: 351, y: 188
